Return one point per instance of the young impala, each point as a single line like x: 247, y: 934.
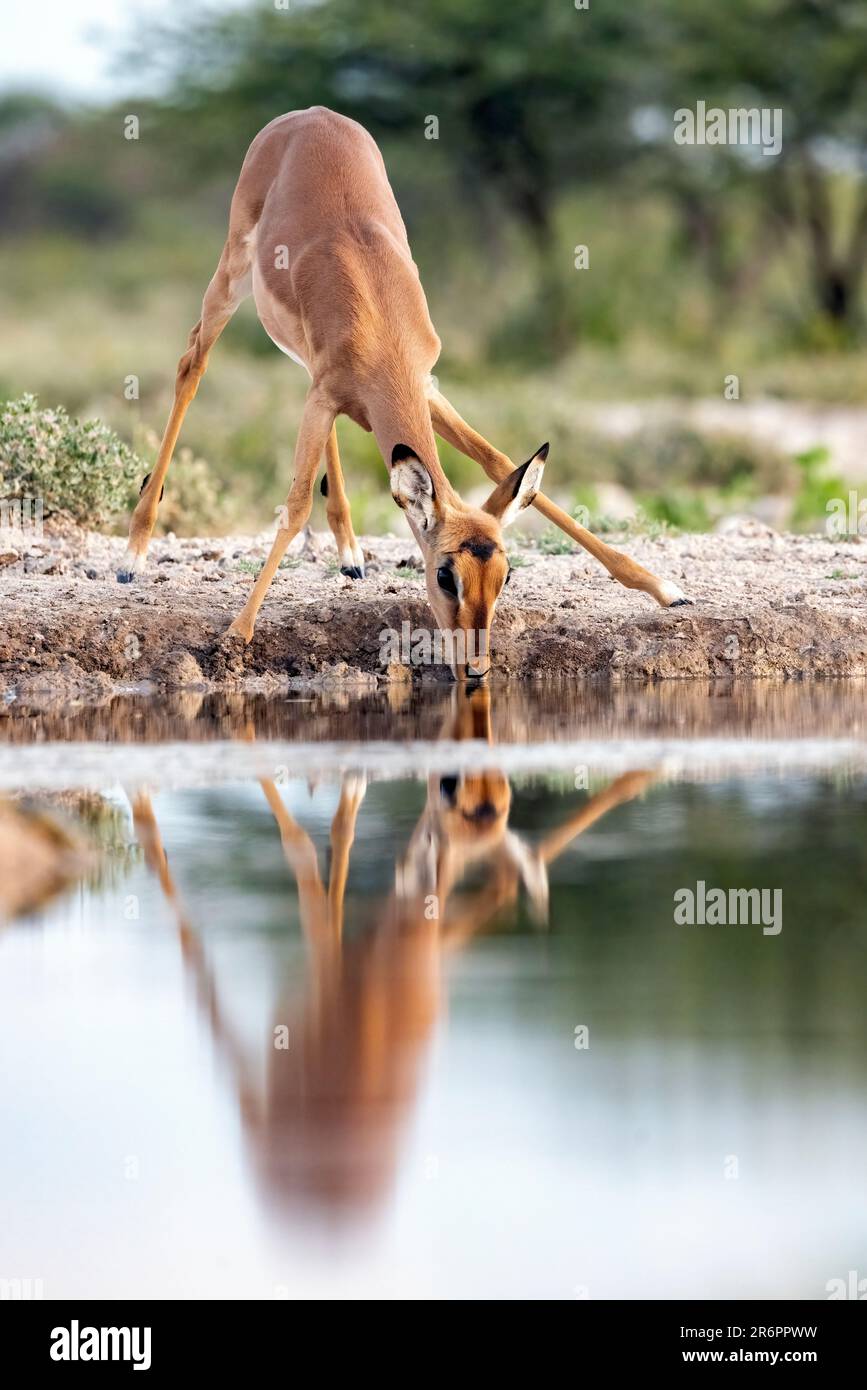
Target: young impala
x: 316, y: 235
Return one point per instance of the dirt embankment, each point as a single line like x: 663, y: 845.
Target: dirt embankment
x: 764, y: 605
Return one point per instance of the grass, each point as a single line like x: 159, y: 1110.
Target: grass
x: 644, y: 523
x: 245, y: 566
x: 91, y: 317
x: 554, y: 542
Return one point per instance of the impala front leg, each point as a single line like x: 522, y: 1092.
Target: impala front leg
x: 342, y: 839
x: 315, y: 428
x: 450, y: 426
x: 349, y: 552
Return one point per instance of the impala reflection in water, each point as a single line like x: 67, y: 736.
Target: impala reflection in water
x: 385, y: 995
x: 344, y: 1070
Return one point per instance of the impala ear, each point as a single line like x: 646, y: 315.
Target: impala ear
x: 517, y: 491
x: 412, y: 487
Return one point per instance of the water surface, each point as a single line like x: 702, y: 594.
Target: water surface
x: 385, y: 997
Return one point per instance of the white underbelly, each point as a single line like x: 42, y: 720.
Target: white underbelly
x: 275, y: 321
x: 288, y: 351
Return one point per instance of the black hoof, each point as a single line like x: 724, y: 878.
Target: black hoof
x: 125, y: 576
x: 681, y: 603
x: 352, y: 571
x: 144, y: 482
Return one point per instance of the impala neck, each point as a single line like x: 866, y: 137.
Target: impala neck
x: 400, y: 414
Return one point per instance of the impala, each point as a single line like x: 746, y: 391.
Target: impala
x: 316, y: 236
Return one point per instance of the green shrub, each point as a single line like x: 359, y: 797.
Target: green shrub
x: 555, y: 542
x: 79, y: 469
x: 193, y: 503
x: 669, y: 455
x: 818, y: 487
x: 677, y: 509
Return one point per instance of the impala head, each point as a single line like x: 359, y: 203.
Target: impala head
x: 467, y: 813
x: 471, y: 808
x: 464, y: 557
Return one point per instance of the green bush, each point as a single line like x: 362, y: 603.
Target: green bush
x: 818, y: 487
x: 193, y: 501
x: 669, y: 455
x: 80, y: 469
x: 677, y: 510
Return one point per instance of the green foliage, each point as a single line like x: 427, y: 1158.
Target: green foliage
x: 79, y: 469
x: 817, y: 488
x: 194, y: 498
x: 642, y: 524
x: 535, y: 101
x: 678, y: 511
x: 525, y: 94
x: 667, y: 456
x: 554, y: 542
x: 555, y: 129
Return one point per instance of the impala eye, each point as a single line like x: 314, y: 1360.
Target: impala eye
x: 448, y: 789
x: 446, y: 580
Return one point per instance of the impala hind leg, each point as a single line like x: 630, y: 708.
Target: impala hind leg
x: 229, y: 286
x: 337, y: 510
x: 316, y: 425
x: 449, y: 426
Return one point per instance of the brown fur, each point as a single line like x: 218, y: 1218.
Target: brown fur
x: 316, y: 236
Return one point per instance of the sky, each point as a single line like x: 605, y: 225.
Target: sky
x: 64, y: 47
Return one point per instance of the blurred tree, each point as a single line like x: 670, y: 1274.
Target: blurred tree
x: 528, y: 99
x: 59, y: 168
x: 535, y: 101
x: 537, y: 97
x: 808, y: 58
x: 527, y: 96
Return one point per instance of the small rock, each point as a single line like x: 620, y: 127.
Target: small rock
x: 46, y: 564
x: 178, y: 667
x: 9, y: 557
x: 397, y: 672
x: 747, y: 527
